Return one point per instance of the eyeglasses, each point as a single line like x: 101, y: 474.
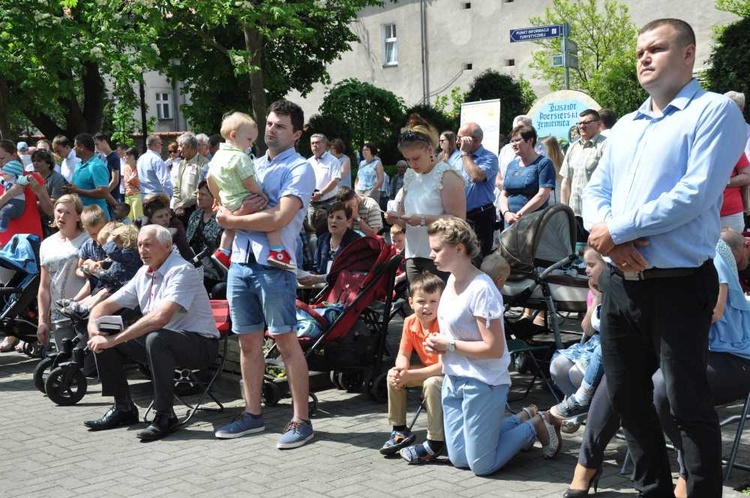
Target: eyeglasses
x: 411, y: 136
x: 586, y: 123
x: 442, y: 140
x: 517, y: 140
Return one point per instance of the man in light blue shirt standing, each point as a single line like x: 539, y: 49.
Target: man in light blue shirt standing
x: 153, y: 174
x: 652, y: 207
x: 479, y: 169
x: 262, y: 296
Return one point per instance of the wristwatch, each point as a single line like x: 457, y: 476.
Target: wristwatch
x: 422, y: 221
x: 357, y: 219
x: 451, y: 346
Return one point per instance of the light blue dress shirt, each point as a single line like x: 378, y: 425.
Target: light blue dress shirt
x: 153, y: 175
x: 287, y: 174
x: 662, y: 176
x: 480, y: 193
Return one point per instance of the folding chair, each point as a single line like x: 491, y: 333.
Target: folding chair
x: 185, y: 377
x: 516, y: 347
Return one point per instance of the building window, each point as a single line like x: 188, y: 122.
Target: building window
x: 468, y: 66
x: 390, y: 48
x: 164, y: 105
x: 510, y: 62
x: 467, y: 5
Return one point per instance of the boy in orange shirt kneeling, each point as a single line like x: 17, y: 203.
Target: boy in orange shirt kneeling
x: 425, y: 296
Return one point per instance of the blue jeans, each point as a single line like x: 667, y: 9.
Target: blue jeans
x: 594, y: 371
x: 476, y: 436
x: 261, y: 296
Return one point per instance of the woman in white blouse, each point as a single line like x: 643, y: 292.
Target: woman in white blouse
x: 432, y: 190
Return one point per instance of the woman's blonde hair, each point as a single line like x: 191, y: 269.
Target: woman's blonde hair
x: 456, y: 231
x: 554, y: 152
x: 77, y: 205
x: 418, y: 130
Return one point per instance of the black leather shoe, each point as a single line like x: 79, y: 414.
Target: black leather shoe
x: 159, y: 428
x: 114, y: 418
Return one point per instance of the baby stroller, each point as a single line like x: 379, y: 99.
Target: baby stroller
x: 19, y: 273
x: 352, y: 314
x: 544, y: 274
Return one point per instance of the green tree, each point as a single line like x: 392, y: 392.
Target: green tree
x: 513, y: 99
x: 232, y: 54
x: 55, y: 57
x: 730, y: 61
x: 370, y: 112
x: 739, y: 7
x: 606, y: 39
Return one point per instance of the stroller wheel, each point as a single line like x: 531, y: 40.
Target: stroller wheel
x: 64, y: 387
x: 312, y: 406
x: 379, y: 388
x: 41, y: 372
x: 271, y: 393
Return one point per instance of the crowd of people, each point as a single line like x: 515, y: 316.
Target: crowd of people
x: 668, y: 325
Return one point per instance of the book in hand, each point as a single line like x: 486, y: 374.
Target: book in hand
x: 110, y: 324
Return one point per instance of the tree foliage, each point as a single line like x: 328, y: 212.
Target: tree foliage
x: 606, y: 39
x: 738, y: 7
x: 56, y: 55
x: 369, y: 112
x: 233, y: 54
x: 514, y: 100
x: 730, y: 61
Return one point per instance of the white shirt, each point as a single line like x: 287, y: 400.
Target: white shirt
x: 68, y: 166
x: 457, y: 317
x: 327, y: 168
x: 422, y: 196
x: 61, y: 260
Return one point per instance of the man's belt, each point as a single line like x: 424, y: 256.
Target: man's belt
x: 654, y: 273
x: 481, y: 209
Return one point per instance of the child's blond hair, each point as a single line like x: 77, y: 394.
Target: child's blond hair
x: 92, y: 216
x: 234, y: 121
x: 126, y: 235
x: 106, y: 232
x: 397, y: 229
x: 496, y: 267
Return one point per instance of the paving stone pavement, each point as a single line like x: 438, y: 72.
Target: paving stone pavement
x: 46, y: 452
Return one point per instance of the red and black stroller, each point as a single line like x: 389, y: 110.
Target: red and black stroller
x: 351, y: 316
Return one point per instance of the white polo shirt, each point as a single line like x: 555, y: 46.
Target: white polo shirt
x: 327, y: 168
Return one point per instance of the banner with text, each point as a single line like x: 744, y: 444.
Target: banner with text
x: 556, y: 114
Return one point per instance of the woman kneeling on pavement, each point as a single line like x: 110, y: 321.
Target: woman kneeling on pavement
x: 475, y: 361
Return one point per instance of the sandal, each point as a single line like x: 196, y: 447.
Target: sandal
x: 412, y: 457
x: 553, y: 446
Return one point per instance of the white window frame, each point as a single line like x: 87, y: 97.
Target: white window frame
x: 164, y: 110
x: 390, y: 45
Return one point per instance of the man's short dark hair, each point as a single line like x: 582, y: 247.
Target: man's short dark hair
x: 590, y: 112
x: 62, y: 141
x: 86, y: 141
x: 286, y: 108
x: 345, y: 194
x: 214, y: 140
x: 685, y: 33
x: 101, y: 137
x: 609, y: 118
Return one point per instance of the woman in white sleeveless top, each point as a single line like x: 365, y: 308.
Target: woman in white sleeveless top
x: 432, y: 190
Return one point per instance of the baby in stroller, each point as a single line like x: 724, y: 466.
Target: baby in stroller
x: 118, y: 243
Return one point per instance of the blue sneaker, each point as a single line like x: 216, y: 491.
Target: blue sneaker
x: 242, y: 425
x: 296, y: 434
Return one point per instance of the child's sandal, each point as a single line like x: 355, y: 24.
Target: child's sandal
x: 553, y: 446
x: 412, y: 457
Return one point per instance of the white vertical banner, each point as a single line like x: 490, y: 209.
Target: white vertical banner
x: 485, y: 113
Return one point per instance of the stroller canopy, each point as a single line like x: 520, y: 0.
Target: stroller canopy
x: 20, y: 253
x: 539, y: 239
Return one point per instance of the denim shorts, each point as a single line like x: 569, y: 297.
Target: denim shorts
x: 261, y: 295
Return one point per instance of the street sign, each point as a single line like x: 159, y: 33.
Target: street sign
x: 558, y: 60
x: 536, y: 33
x: 569, y: 46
